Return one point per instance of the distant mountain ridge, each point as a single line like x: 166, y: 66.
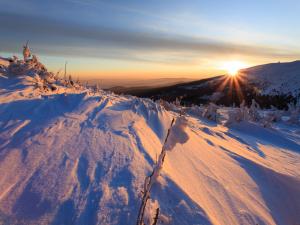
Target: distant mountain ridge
x: 274, y: 84
x: 124, y: 84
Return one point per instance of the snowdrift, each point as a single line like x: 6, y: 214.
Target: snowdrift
x: 76, y: 156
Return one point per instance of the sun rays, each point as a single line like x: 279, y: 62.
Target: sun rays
x: 233, y: 80
x: 233, y: 85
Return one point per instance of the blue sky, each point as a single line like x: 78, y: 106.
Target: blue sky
x: 152, y: 38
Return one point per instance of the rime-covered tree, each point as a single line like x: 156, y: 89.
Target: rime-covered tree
x: 210, y: 112
x: 254, y: 111
x: 26, y: 52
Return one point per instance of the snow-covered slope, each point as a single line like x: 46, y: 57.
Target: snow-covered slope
x: 276, y: 78
x: 73, y: 156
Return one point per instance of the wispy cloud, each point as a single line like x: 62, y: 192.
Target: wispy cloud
x: 63, y: 38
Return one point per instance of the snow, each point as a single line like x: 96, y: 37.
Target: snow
x: 75, y: 156
x: 177, y: 133
x: 275, y: 78
x: 4, y: 62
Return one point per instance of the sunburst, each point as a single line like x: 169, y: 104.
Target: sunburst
x: 233, y: 67
x: 233, y: 83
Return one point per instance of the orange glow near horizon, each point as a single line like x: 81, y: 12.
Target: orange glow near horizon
x: 199, y: 68
x: 95, y: 68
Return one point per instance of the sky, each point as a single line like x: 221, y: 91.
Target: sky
x: 153, y: 38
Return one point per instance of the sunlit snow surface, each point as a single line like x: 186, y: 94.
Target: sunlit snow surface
x: 75, y: 157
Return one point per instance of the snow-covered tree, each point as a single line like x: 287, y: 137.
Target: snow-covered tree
x: 26, y: 52
x: 177, y: 101
x: 216, y: 96
x: 210, y: 112
x: 254, y: 111
x: 268, y: 119
x: 237, y: 115
x: 14, y: 59
x: 294, y: 117
x: 275, y: 115
x: 244, y: 112
x: 168, y: 106
x: 195, y: 110
x: 294, y: 113
x: 234, y: 116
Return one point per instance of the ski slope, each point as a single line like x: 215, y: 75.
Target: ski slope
x: 74, y: 156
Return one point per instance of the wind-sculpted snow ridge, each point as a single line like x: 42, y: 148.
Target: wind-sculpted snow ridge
x: 74, y: 156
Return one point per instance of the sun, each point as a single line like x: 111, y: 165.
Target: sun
x: 233, y: 67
